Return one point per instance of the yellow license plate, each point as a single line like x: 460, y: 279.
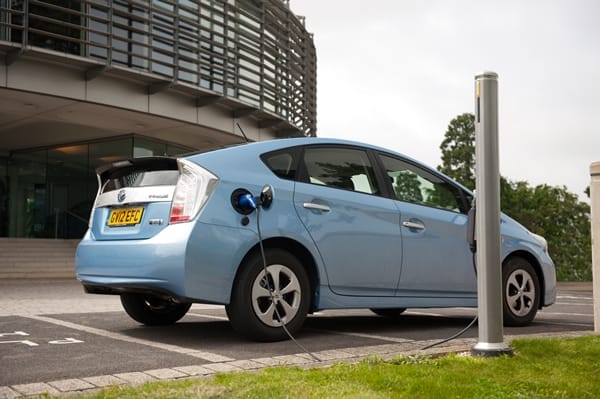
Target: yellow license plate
x: 125, y: 216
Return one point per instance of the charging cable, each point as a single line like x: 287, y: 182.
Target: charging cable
x: 245, y: 201
x: 271, y: 290
x: 473, y: 247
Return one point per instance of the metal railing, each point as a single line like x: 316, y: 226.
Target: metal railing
x: 256, y: 52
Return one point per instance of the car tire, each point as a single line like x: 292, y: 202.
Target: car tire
x: 251, y: 311
x: 391, y: 313
x: 153, y: 311
x: 521, y: 292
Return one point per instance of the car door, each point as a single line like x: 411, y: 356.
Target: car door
x: 436, y: 259
x: 356, y: 231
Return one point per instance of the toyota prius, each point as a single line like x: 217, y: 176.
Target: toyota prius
x: 276, y: 230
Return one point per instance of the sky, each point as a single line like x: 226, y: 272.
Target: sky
x: 394, y: 73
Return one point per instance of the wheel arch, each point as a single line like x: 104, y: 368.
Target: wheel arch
x: 298, y: 250
x: 528, y: 256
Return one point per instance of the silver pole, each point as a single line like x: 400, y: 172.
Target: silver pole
x: 487, y: 218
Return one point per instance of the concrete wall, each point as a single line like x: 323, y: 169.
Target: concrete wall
x: 127, y: 90
x: 595, y: 198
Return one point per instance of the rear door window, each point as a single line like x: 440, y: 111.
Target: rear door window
x: 343, y: 168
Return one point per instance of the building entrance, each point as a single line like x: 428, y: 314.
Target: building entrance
x: 49, y: 193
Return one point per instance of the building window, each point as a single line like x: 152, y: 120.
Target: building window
x: 49, y: 193
x: 55, y: 25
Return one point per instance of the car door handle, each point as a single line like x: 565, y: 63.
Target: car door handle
x: 316, y: 207
x: 413, y: 225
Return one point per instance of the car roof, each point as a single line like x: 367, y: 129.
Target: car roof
x: 277, y: 144
x: 260, y: 147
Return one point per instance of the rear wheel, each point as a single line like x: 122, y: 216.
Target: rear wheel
x: 260, y: 305
x: 388, y: 312
x: 521, y: 292
x: 153, y: 311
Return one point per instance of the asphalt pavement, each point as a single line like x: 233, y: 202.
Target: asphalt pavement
x: 54, y: 338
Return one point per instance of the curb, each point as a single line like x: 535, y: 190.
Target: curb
x: 88, y: 385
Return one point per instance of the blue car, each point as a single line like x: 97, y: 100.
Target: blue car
x: 279, y: 229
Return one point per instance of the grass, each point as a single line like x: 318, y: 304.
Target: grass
x: 546, y: 368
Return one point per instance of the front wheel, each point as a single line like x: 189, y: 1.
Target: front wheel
x: 262, y: 304
x: 153, y: 311
x: 521, y: 292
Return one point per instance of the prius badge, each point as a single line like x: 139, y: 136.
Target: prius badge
x: 121, y: 196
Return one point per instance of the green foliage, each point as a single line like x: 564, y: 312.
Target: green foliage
x: 561, y: 218
x: 546, y: 368
x: 552, y: 212
x: 458, y: 150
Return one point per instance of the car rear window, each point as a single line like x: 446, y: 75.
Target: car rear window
x: 142, y: 179
x: 138, y: 172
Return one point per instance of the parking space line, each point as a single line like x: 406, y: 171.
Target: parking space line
x: 207, y: 316
x: 564, y: 324
x: 574, y: 297
x: 425, y: 313
x: 208, y: 356
x: 362, y: 335
x: 546, y: 313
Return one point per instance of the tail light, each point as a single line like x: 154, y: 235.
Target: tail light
x: 194, y: 186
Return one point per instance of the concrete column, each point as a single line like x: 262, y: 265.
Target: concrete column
x: 595, y: 199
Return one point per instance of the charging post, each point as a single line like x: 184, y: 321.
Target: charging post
x: 487, y: 219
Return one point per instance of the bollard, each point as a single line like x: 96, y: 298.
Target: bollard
x: 487, y: 219
x: 595, y: 205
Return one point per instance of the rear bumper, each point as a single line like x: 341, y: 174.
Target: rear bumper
x: 157, y: 263
x: 188, y: 262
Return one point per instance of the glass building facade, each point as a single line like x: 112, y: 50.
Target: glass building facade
x: 49, y: 192
x: 250, y: 57
x: 256, y: 52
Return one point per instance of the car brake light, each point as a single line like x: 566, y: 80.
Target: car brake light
x: 194, y: 187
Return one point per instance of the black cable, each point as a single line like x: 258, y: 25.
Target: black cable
x: 458, y: 334
x: 464, y: 330
x: 270, y: 288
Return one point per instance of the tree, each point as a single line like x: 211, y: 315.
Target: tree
x: 561, y: 218
x: 552, y: 212
x: 458, y: 150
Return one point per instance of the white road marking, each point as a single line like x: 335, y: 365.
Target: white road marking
x: 207, y: 316
x: 545, y: 313
x: 425, y: 313
x: 574, y: 297
x: 563, y: 324
x: 24, y: 342
x: 211, y: 357
x: 362, y: 335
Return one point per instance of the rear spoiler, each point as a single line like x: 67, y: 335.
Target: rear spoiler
x: 122, y: 168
